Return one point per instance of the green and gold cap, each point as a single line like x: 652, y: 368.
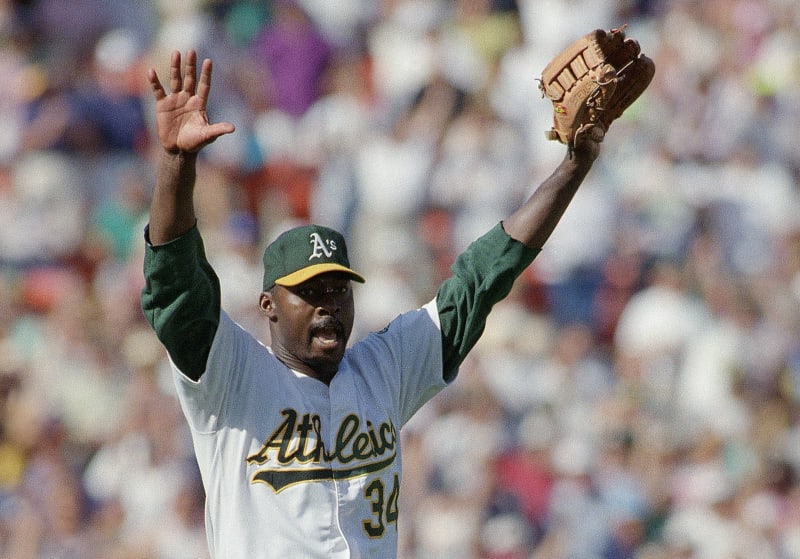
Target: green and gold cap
x: 303, y: 252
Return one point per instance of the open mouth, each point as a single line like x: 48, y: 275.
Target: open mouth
x: 328, y: 334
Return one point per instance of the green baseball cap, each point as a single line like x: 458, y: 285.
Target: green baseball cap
x: 303, y: 252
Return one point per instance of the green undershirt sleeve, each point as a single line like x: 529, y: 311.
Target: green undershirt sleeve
x: 181, y: 300
x: 482, y: 276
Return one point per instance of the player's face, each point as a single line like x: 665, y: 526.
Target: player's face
x: 310, y: 323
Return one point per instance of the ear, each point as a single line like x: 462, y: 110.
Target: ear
x: 266, y: 303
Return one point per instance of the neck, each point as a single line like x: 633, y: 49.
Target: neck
x: 319, y: 372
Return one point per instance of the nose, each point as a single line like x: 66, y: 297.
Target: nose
x: 330, y: 301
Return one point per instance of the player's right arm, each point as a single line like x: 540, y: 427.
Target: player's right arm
x: 181, y: 294
x: 183, y: 130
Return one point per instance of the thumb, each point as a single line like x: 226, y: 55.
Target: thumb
x: 220, y: 129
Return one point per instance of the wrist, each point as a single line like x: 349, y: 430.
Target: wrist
x: 179, y: 157
x: 178, y: 162
x: 578, y: 160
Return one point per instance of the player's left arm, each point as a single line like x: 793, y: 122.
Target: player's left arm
x: 485, y: 272
x: 534, y: 221
x: 481, y: 277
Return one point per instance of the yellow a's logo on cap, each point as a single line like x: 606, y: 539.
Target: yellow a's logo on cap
x: 321, y: 248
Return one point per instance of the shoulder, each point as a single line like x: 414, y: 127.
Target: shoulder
x: 414, y: 324
x: 407, y: 343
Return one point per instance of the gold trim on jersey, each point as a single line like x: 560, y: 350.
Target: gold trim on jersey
x: 281, y: 479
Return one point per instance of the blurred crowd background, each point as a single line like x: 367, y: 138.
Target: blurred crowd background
x: 637, y: 395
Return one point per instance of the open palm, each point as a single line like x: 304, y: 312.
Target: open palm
x: 181, y: 118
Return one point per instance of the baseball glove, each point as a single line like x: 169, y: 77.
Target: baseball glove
x: 593, y: 81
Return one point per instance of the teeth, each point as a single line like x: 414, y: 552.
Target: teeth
x: 327, y: 334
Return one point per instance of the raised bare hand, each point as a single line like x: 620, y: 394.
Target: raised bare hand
x: 181, y: 118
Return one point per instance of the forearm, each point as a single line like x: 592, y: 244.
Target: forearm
x: 534, y: 221
x: 172, y: 208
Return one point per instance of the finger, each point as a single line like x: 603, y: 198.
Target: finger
x: 220, y: 129
x: 175, y: 80
x: 214, y: 131
x: 190, y: 75
x: 204, y: 86
x: 155, y: 84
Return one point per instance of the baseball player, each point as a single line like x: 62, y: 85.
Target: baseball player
x: 298, y: 444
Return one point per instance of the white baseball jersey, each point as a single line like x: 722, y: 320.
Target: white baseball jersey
x: 294, y: 468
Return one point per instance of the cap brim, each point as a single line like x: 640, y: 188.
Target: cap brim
x: 298, y: 277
